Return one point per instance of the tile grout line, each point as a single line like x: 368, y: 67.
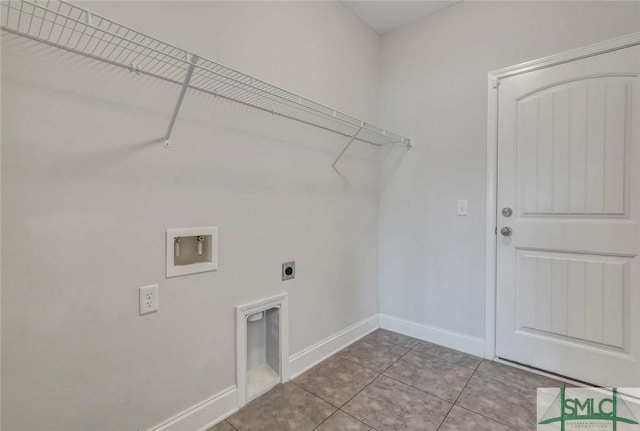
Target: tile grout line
x: 456, y: 400
x: 326, y: 419
x: 357, y: 363
x: 486, y: 417
x: 372, y: 381
x: 355, y: 395
x: 476, y: 370
x: 440, y: 359
x: 352, y: 416
x: 455, y: 403
x: 321, y: 399
x: 510, y: 382
x: 413, y: 349
x: 315, y: 395
x: 338, y: 409
x: 369, y: 368
x: 337, y: 354
x: 478, y: 413
x: 418, y: 389
x: 409, y: 349
x: 231, y: 425
x: 306, y: 390
x: 476, y: 373
x: 449, y: 360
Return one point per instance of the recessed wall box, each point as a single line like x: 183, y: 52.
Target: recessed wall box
x: 262, y: 348
x: 192, y: 250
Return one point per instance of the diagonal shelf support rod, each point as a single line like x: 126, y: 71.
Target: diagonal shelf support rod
x: 183, y: 91
x: 344, y: 150
x: 75, y: 29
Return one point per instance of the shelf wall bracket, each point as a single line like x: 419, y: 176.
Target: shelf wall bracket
x: 64, y: 25
x: 183, y: 90
x: 344, y: 150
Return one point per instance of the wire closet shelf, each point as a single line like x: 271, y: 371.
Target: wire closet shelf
x: 80, y: 31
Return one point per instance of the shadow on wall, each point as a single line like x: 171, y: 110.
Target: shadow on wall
x: 256, y: 136
x: 390, y: 161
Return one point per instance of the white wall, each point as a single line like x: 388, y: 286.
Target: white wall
x: 88, y: 191
x: 434, y: 89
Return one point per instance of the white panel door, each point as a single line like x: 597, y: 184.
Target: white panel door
x: 568, y: 277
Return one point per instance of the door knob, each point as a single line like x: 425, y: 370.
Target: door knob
x: 506, y: 231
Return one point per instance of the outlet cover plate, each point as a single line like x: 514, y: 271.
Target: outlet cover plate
x: 149, y: 299
x: 288, y: 270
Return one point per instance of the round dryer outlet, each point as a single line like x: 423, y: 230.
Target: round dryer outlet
x: 288, y: 271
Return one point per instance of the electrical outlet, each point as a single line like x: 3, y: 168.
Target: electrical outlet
x: 149, y: 299
x: 288, y: 271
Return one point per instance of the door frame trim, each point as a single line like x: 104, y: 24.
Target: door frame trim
x: 492, y: 162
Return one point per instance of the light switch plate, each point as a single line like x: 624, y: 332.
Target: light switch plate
x: 149, y: 299
x: 462, y: 207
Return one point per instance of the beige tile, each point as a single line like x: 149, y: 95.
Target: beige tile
x: 506, y: 403
x: 431, y: 374
x: 517, y: 376
x: 390, y: 405
x: 285, y: 408
x: 343, y: 422
x: 336, y: 380
x: 376, y: 355
x: 448, y: 354
x: 460, y: 419
x: 392, y: 337
x: 222, y: 426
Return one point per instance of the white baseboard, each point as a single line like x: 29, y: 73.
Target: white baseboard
x: 307, y: 358
x: 203, y: 415
x: 453, y: 340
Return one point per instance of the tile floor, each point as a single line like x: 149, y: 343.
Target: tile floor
x: 387, y: 381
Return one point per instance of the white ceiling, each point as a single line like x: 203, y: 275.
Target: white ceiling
x: 387, y: 15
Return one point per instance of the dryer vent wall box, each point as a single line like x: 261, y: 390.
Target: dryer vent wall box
x: 262, y: 349
x: 192, y: 250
